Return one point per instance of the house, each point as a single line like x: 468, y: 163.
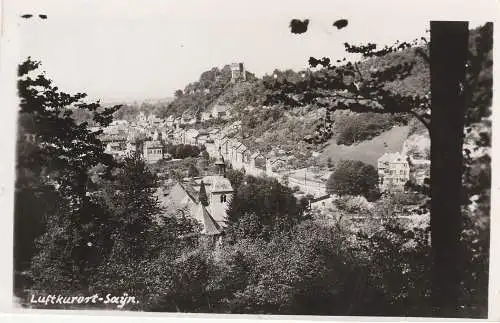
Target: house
x: 119, y: 123
x: 203, y: 136
x: 170, y: 121
x: 27, y: 128
x: 131, y: 147
x: 419, y: 170
x: 141, y: 118
x: 177, y: 122
x: 275, y: 165
x: 191, y: 137
x: 213, y: 132
x: 242, y: 156
x: 221, y: 111
x: 233, y: 146
x: 211, y: 211
x: 179, y: 136
x: 115, y: 143
x: 258, y: 161
x: 153, y: 151
x: 225, y: 147
x: 393, y: 171
x: 206, y: 116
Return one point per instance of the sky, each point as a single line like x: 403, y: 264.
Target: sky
x: 136, y: 50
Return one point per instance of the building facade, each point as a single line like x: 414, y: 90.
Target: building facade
x: 393, y: 172
x: 238, y: 72
x: 153, y: 151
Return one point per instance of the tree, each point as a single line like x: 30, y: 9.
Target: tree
x: 193, y: 171
x: 380, y: 89
x: 54, y: 171
x: 447, y: 131
x: 235, y: 177
x: 178, y: 93
x: 134, y: 229
x: 266, y: 201
x: 352, y: 178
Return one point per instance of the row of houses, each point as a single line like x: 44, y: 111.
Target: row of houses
x: 188, y: 118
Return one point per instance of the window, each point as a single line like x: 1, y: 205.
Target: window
x: 223, y: 198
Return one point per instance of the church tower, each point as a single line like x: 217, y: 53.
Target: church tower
x: 221, y: 166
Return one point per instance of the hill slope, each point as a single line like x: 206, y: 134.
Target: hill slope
x: 370, y: 150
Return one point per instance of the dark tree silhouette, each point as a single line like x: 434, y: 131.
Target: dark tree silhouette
x: 53, y: 174
x: 378, y: 90
x: 448, y: 56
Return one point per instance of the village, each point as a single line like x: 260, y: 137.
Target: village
x: 150, y: 135
x: 257, y: 159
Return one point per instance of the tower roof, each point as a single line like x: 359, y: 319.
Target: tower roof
x: 220, y: 160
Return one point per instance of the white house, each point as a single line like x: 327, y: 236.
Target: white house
x: 153, y: 151
x: 393, y: 171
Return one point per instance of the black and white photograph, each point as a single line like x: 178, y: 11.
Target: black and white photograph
x: 283, y: 158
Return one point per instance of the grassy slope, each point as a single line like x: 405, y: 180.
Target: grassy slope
x: 367, y: 151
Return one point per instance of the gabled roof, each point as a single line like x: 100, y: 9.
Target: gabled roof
x: 210, y: 227
x: 213, y: 131
x: 192, y: 132
x: 389, y: 157
x: 242, y: 148
x: 179, y: 195
x: 153, y: 144
x: 256, y: 154
x: 216, y: 183
x: 220, y: 108
x: 235, y: 143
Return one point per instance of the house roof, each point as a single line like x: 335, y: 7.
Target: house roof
x: 389, y: 157
x: 220, y: 108
x: 210, y: 226
x: 213, y: 131
x: 192, y: 133
x: 235, y: 144
x: 153, y: 144
x: 420, y: 162
x: 256, y: 154
x: 217, y: 183
x: 242, y: 148
x: 113, y: 137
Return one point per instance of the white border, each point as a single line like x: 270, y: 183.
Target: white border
x: 9, y: 58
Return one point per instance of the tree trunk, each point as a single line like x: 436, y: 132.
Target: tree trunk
x: 448, y: 51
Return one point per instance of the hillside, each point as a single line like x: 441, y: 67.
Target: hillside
x: 278, y: 124
x: 370, y: 150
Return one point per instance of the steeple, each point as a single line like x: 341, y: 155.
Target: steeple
x: 202, y: 196
x: 221, y: 166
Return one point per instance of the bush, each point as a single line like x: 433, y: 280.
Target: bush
x: 356, y: 127
x: 352, y: 177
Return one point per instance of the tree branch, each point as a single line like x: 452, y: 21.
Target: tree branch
x: 425, y: 122
x: 421, y: 52
x: 357, y: 70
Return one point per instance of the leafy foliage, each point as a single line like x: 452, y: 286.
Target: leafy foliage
x: 261, y: 206
x: 353, y: 178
